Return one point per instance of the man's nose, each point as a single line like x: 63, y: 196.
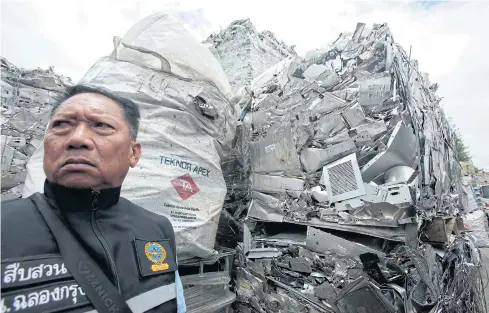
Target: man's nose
x: 80, y: 138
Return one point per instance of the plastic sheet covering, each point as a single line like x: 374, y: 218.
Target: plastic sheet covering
x: 469, y: 192
x: 476, y: 224
x: 34, y: 181
x: 186, y: 127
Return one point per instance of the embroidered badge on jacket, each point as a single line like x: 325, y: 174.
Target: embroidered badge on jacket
x: 154, y: 257
x: 156, y: 254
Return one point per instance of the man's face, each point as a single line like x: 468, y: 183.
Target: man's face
x: 88, y: 144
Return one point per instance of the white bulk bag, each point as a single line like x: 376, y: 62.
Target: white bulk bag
x: 186, y: 126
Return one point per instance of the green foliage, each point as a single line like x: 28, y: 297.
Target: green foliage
x: 462, y: 150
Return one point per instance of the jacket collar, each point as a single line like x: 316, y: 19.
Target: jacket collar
x: 70, y: 199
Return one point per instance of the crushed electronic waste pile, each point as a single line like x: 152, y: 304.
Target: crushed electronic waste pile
x: 343, y: 190
x: 27, y: 97
x: 349, y: 195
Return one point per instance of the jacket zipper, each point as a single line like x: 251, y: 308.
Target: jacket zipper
x: 100, y: 238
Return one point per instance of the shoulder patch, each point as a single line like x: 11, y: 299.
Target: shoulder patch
x: 27, y: 271
x: 55, y: 297
x: 154, y: 257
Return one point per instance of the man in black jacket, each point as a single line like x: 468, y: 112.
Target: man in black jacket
x: 89, y: 147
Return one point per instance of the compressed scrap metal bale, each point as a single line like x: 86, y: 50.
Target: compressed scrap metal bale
x: 376, y: 159
x: 382, y: 112
x: 26, y: 102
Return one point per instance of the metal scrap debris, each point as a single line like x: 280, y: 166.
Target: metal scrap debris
x: 353, y: 184
x: 26, y: 102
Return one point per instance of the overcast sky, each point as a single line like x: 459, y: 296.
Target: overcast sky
x: 449, y: 39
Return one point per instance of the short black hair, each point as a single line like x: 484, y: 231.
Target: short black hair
x: 130, y: 109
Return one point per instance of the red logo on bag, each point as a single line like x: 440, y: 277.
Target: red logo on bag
x: 185, y: 186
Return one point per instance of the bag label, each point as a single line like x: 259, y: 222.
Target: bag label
x: 181, y: 214
x: 184, y: 165
x: 185, y: 186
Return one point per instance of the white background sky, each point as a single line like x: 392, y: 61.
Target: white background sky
x: 449, y: 39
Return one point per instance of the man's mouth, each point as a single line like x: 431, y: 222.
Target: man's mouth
x: 72, y: 162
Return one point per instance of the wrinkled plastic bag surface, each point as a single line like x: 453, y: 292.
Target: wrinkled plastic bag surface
x: 471, y: 202
x: 476, y: 225
x: 186, y: 127
x: 164, y: 36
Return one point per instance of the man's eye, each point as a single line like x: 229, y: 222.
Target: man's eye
x: 102, y: 125
x: 60, y: 123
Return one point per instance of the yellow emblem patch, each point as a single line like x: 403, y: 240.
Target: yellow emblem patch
x: 156, y: 254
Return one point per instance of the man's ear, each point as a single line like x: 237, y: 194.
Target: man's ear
x: 135, y: 153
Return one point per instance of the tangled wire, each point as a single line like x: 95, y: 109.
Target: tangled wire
x: 462, y: 286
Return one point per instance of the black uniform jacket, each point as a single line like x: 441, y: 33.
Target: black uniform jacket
x: 135, y: 248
